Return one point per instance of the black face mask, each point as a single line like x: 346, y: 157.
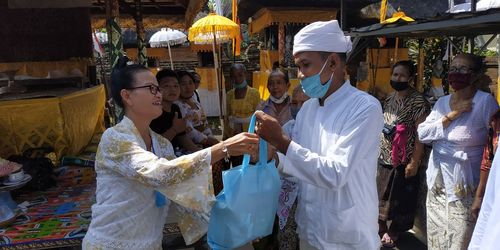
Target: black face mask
x: 399, y: 86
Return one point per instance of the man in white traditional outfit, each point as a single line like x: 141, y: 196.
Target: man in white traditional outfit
x: 335, y: 147
x: 487, y: 232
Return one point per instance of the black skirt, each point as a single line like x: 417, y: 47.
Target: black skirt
x: 397, y: 197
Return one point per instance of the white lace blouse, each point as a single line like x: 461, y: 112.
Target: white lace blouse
x: 125, y: 215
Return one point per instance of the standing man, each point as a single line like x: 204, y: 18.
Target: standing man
x: 335, y: 147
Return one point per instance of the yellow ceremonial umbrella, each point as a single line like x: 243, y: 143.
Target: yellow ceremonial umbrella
x: 214, y: 29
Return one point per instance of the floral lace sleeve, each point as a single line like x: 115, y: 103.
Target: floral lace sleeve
x: 186, y: 180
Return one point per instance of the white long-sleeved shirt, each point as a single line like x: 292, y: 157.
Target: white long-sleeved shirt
x: 486, y: 234
x: 334, y: 155
x: 457, y: 150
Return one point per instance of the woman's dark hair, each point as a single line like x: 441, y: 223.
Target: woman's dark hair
x: 166, y: 73
x: 409, y: 65
x: 477, y: 62
x: 182, y: 73
x: 236, y: 66
x: 122, y: 77
x: 279, y: 72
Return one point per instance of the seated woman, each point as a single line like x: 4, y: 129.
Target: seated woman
x: 197, y: 124
x: 278, y: 104
x: 457, y: 129
x: 133, y: 163
x: 170, y: 123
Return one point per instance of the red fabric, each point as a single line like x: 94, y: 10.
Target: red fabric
x: 399, y: 145
x: 492, y: 142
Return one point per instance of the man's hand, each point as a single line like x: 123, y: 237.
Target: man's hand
x: 270, y: 130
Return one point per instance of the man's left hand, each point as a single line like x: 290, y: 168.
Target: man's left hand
x: 270, y: 130
x: 411, y: 170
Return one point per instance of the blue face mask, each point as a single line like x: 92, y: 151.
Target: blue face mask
x: 241, y: 85
x: 294, y: 110
x: 312, y: 85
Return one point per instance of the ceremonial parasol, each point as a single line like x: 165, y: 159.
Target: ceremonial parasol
x: 214, y: 29
x: 167, y: 37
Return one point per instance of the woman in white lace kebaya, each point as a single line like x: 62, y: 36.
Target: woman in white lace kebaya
x: 457, y: 129
x: 138, y: 175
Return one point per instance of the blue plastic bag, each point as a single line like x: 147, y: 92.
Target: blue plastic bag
x: 245, y: 209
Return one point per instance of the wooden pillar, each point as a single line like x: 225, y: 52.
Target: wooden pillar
x: 288, y: 45
x: 114, y: 31
x: 141, y: 34
x: 281, y: 43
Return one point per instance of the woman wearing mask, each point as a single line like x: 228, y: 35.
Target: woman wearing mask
x: 457, y: 129
x: 400, y: 154
x: 132, y: 162
x: 241, y: 103
x: 278, y: 104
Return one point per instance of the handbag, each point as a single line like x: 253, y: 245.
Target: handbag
x: 246, y: 207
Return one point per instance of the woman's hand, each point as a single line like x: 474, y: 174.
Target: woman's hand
x: 411, y: 170
x: 460, y: 108
x: 476, y: 207
x: 243, y: 143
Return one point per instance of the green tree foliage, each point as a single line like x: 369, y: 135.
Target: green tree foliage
x: 434, y: 49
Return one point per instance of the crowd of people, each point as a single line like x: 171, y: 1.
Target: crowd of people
x: 349, y: 163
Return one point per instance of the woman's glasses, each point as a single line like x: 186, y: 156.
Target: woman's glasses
x: 462, y: 69
x: 154, y: 89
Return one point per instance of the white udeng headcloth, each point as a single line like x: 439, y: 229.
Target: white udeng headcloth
x: 322, y: 36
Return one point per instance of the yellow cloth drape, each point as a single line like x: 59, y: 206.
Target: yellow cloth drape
x: 259, y: 82
x: 237, y: 40
x: 207, y: 76
x: 383, y: 10
x: 379, y: 78
x: 267, y: 58
x: 66, y: 123
x: 42, y: 69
